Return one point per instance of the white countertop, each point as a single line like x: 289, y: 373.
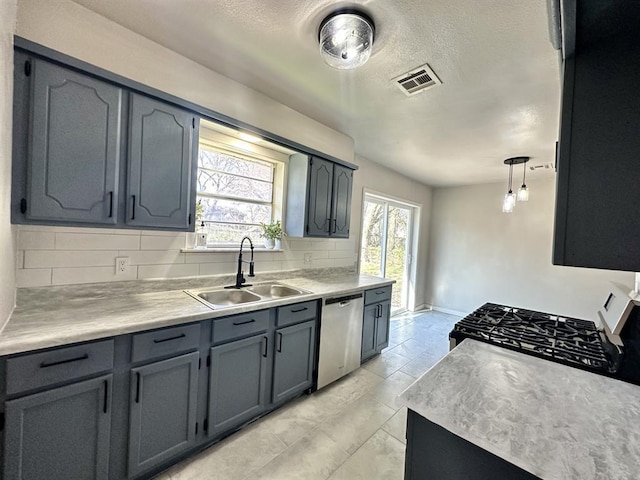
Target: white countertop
x: 554, y: 421
x: 52, y: 316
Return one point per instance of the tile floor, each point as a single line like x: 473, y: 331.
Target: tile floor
x: 349, y: 430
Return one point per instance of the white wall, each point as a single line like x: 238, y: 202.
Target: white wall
x: 76, y: 31
x: 7, y: 251
x: 382, y: 180
x: 72, y: 255
x: 479, y: 254
x: 54, y: 255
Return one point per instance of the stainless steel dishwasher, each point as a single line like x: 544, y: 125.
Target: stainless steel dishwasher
x: 340, y: 337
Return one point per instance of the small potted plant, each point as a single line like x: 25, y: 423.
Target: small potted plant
x: 272, y: 234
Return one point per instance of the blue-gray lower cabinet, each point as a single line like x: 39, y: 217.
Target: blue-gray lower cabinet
x: 382, y: 325
x: 163, y: 411
x: 375, y: 329
x: 60, y: 434
x: 369, y: 332
x: 293, y: 360
x: 237, y: 382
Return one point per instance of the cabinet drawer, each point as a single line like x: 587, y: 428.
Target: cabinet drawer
x: 168, y: 341
x: 295, y: 313
x: 377, y: 295
x: 55, y: 366
x: 239, y: 326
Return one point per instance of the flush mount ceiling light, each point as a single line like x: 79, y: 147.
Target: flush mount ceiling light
x: 523, y: 194
x: 346, y: 39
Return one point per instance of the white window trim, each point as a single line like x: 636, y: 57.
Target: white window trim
x: 250, y: 152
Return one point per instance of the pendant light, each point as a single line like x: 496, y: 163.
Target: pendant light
x: 510, y: 198
x: 523, y: 191
x: 346, y: 39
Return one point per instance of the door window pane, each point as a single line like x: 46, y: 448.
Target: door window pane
x: 395, y: 268
x: 372, y: 239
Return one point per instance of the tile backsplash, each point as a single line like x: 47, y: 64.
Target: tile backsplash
x: 74, y: 255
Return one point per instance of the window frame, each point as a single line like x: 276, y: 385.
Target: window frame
x: 243, y: 150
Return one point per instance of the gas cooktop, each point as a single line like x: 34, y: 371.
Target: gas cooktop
x: 561, y: 339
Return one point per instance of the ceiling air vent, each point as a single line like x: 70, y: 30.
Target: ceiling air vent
x: 417, y: 80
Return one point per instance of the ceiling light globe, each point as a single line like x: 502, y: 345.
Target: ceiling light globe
x: 346, y: 40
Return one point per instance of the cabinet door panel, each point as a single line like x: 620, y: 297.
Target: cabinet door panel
x: 341, y: 202
x: 160, y: 164
x: 319, y: 206
x: 237, y: 382
x: 369, y: 332
x: 382, y: 326
x: 60, y: 434
x: 75, y: 147
x: 294, y: 355
x: 163, y: 411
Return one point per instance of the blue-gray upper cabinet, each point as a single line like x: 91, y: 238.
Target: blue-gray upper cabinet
x: 341, y: 201
x: 237, y: 382
x: 319, y: 221
x: 163, y: 399
x: 162, y: 164
x: 318, y: 198
x: 597, y: 194
x: 60, y: 434
x: 74, y: 146
x: 294, y: 357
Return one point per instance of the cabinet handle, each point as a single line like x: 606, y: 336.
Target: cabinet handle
x: 329, y: 221
x: 182, y: 335
x: 266, y: 346
x: 335, y: 225
x: 380, y: 292
x: 299, y: 310
x: 379, y: 311
x: 106, y: 395
x: 133, y: 208
x: 138, y: 387
x: 244, y: 323
x: 69, y: 360
x: 110, y: 204
x: 279, y: 342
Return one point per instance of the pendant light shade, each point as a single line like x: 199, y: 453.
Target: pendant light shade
x: 346, y: 39
x: 523, y: 193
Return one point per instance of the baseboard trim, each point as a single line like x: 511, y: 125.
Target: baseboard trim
x: 448, y: 311
x: 421, y: 307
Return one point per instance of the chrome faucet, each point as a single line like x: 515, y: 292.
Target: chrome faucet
x: 240, y: 280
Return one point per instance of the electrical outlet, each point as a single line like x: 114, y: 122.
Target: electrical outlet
x: 122, y: 265
x: 307, y: 259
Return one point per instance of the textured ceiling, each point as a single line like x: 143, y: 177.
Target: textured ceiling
x: 501, y: 80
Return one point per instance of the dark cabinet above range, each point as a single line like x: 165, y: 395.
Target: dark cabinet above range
x: 318, y: 198
x: 90, y: 152
x: 596, y: 221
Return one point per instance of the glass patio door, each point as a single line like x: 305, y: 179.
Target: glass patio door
x: 386, y: 244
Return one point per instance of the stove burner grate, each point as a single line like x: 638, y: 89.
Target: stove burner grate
x: 562, y: 339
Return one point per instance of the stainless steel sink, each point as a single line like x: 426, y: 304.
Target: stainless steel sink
x: 275, y: 290
x: 228, y: 297
x: 225, y: 298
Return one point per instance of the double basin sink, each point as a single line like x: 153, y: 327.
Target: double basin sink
x: 221, y: 298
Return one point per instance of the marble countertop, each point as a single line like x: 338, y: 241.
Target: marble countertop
x: 52, y: 316
x: 554, y: 421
